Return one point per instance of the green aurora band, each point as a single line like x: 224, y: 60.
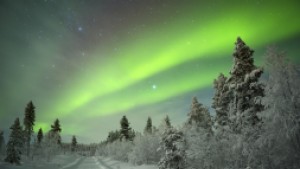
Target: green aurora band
x: 152, y: 52
x: 121, y: 75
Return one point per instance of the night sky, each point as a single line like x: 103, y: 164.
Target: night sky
x: 90, y: 62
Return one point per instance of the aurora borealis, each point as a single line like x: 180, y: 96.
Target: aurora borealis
x: 88, y: 63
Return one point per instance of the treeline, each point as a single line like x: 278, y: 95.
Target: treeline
x: 43, y: 146
x: 134, y: 147
x: 257, y: 124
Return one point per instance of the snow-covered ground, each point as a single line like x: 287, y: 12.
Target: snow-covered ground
x: 75, y: 162
x: 57, y: 162
x: 112, y: 164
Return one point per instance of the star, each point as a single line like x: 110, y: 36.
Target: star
x: 154, y: 87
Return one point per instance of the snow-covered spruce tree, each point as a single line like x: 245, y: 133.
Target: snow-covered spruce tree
x: 15, y: 143
x: 246, y: 91
x: 237, y: 101
x: 73, y: 144
x: 197, y: 133
x: 40, y: 136
x: 199, y: 115
x: 173, y: 144
x: 2, y: 144
x: 278, y: 147
x: 126, y: 132
x: 38, y: 145
x: 223, y: 148
x: 148, y: 128
x: 244, y: 96
x: 165, y: 124
x: 55, y: 130
x: 52, y: 141
x: 221, y: 103
x: 29, y: 120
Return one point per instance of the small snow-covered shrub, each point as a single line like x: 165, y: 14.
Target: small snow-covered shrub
x: 119, y: 150
x: 145, y: 149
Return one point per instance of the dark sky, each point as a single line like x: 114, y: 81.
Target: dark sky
x: 88, y: 63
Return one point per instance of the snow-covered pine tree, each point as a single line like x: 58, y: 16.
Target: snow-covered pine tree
x: 167, y: 122
x: 40, y: 136
x: 125, y: 129
x: 173, y: 143
x: 52, y: 140
x: 56, y: 126
x: 148, y: 128
x: 221, y: 102
x: 38, y: 145
x: 29, y: 120
x: 223, y: 143
x: 55, y: 130
x: 2, y: 143
x: 73, y: 144
x: 15, y: 143
x: 246, y: 91
x: 197, y: 134
x: 199, y: 115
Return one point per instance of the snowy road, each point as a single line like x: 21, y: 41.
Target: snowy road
x: 102, y: 163
x: 76, y: 162
x: 87, y: 163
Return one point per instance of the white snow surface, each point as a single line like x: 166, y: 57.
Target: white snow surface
x: 113, y: 164
x: 75, y: 162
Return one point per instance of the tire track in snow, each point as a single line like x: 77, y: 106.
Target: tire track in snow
x: 98, y: 163
x: 102, y: 163
x: 74, y: 164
